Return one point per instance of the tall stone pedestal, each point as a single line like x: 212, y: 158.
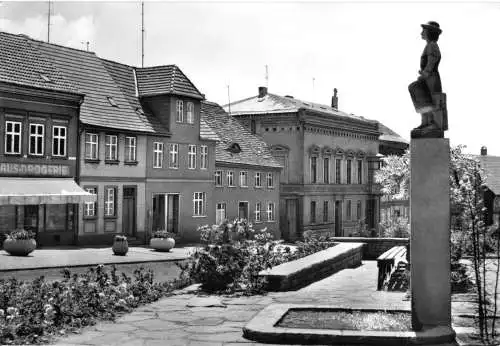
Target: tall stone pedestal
x: 430, y: 232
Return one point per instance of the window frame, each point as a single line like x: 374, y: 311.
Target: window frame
x: 204, y: 157
x: 217, y: 212
x: 218, y: 178
x: 199, y: 197
x: 88, y: 136
x: 271, y: 211
x: 258, y: 180
x: 270, y: 177
x: 190, y: 113
x: 348, y: 210
x: 179, y: 111
x: 348, y: 171
x: 14, y: 135
x: 360, y: 171
x: 192, y: 156
x: 359, y: 210
x: 338, y: 171
x: 314, y: 177
x: 108, y: 148
x: 258, y: 212
x: 326, y: 170
x: 245, y: 174
x: 129, y: 149
x: 95, y: 205
x: 59, y: 138
x: 158, y: 148
x: 173, y: 154
x: 230, y: 182
x: 107, y: 201
x: 326, y: 216
x: 312, y: 211
x: 36, y: 136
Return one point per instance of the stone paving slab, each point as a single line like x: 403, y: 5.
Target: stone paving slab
x: 78, y: 257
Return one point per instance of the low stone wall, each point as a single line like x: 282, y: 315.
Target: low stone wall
x: 299, y: 273
x: 374, y: 247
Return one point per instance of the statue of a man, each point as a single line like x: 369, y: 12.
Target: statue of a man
x: 426, y: 92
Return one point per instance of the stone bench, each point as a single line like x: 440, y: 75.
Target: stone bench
x: 303, y: 271
x: 387, y: 263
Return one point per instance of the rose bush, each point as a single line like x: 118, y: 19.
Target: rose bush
x: 33, y: 312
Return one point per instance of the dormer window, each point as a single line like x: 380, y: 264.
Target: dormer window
x: 190, y: 113
x: 112, y: 102
x: 234, y: 148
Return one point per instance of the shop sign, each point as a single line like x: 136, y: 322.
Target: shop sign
x: 33, y: 169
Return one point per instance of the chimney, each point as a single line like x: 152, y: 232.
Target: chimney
x: 262, y: 91
x: 484, y: 151
x: 335, y: 99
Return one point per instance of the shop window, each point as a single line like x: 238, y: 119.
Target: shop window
x: 111, y: 145
x: 59, y: 140
x: 110, y: 202
x: 13, y: 137
x: 37, y: 132
x: 91, y: 146
x: 174, y: 155
x: 157, y: 155
x: 199, y: 202
x: 203, y: 157
x: 130, y: 149
x: 190, y: 113
x: 56, y: 217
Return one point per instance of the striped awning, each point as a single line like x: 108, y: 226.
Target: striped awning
x: 23, y: 191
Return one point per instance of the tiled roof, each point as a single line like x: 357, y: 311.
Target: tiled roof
x: 207, y: 133
x: 23, y: 64
x: 254, y: 150
x: 123, y: 75
x: 272, y: 103
x: 168, y: 79
x: 389, y: 135
x: 491, y: 166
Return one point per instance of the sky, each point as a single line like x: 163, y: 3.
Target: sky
x: 370, y: 51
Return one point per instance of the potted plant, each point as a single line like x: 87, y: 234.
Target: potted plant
x: 19, y: 242
x: 120, y: 245
x: 162, y: 240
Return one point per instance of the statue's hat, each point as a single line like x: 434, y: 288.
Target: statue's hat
x: 434, y: 26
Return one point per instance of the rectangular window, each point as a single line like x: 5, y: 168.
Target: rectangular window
x: 230, y: 178
x: 111, y: 145
x: 349, y: 171
x: 59, y: 140
x: 174, y: 155
x: 270, y: 211
x: 358, y: 210
x: 348, y: 210
x: 313, y: 212
x: 157, y: 155
x: 218, y: 178
x: 190, y: 113
x: 220, y: 213
x: 203, y: 157
x: 180, y: 111
x: 37, y: 132
x: 258, y: 179
x: 191, y: 156
x: 326, y: 170
x: 199, y: 200
x: 110, y: 201
x: 270, y: 180
x: 258, y: 209
x: 90, y: 208
x: 130, y: 149
x: 91, y: 146
x: 360, y: 171
x: 325, y: 211
x: 243, y: 210
x: 244, y: 179
x: 13, y: 137
x: 338, y: 167
x: 314, y: 172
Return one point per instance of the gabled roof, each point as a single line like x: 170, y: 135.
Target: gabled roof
x: 491, y: 166
x: 272, y: 104
x: 168, y: 79
x: 389, y: 135
x: 254, y: 150
x: 23, y: 64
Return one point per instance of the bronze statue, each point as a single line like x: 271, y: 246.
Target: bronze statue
x: 426, y: 92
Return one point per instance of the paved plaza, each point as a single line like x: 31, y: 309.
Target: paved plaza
x: 188, y: 318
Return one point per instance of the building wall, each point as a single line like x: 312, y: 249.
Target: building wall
x: 232, y: 195
x: 101, y: 174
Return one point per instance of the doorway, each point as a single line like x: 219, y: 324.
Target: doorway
x: 243, y: 210
x: 338, y: 218
x: 291, y: 220
x: 166, y: 212
x: 129, y: 210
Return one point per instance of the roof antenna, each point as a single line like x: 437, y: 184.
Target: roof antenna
x: 48, y: 22
x: 86, y: 43
x: 267, y: 77
x: 229, y: 100
x: 142, y: 29
x: 313, y: 90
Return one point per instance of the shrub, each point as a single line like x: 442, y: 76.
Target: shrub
x: 120, y: 238
x: 33, y: 312
x: 162, y: 234
x: 20, y: 234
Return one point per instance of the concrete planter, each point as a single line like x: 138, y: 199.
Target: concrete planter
x: 19, y: 247
x: 120, y: 247
x: 162, y: 244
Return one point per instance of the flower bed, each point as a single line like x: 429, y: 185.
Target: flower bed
x: 235, y: 254
x: 34, y: 312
